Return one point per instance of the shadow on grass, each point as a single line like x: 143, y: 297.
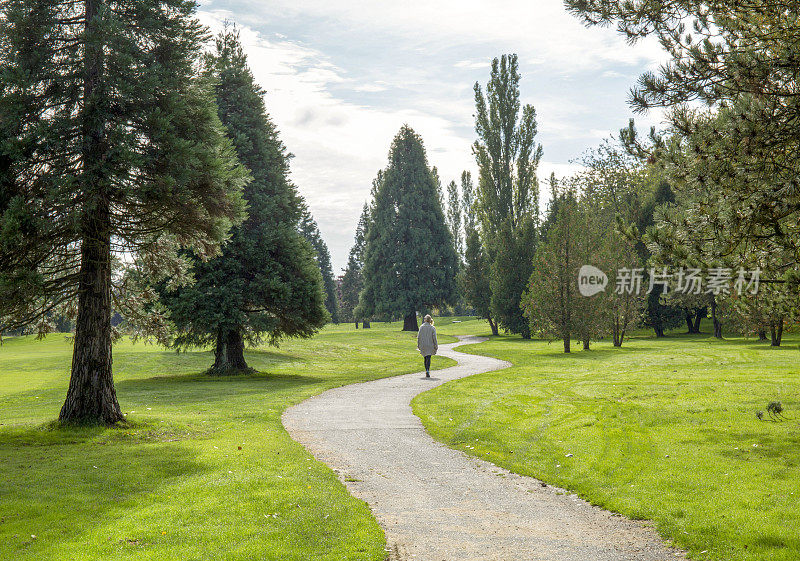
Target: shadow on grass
x: 191, y: 389
x: 70, y: 488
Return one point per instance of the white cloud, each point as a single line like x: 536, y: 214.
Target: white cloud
x: 342, y: 77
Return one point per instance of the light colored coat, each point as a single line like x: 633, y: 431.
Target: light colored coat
x: 426, y: 340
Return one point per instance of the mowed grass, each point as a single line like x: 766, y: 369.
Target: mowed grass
x: 663, y: 430
x: 205, y: 471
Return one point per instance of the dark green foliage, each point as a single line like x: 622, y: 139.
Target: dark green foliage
x: 109, y: 144
x: 310, y: 231
x: 511, y: 270
x: 410, y: 263
x: 475, y: 278
x: 266, y: 283
x: 658, y: 315
x: 775, y: 409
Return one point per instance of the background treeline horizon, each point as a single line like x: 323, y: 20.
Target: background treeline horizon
x: 145, y: 191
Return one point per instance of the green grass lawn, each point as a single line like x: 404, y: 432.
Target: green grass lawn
x: 206, y: 471
x: 663, y: 430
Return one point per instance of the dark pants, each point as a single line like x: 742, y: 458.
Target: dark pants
x: 428, y: 363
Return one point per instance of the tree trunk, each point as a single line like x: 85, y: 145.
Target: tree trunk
x: 762, y: 335
x: 717, y: 323
x: 235, y: 350
x: 410, y: 322
x: 365, y: 324
x: 659, y: 329
x: 91, y: 397
x: 493, y: 326
x: 586, y: 343
x: 221, y: 351
x: 356, y: 325
x: 566, y: 343
x: 689, y: 324
x: 698, y: 317
x: 776, y: 332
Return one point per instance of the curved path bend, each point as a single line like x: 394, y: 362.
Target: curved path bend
x: 439, y: 504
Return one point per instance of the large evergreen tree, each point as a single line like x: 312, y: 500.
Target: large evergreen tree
x: 410, y: 263
x: 109, y: 144
x: 310, y: 231
x: 508, y: 190
x: 266, y: 283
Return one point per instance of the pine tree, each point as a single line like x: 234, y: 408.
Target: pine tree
x: 508, y: 191
x: 731, y: 93
x: 409, y: 262
x: 310, y: 230
x: 109, y: 145
x: 266, y: 283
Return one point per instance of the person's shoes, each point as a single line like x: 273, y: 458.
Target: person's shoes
x: 427, y: 374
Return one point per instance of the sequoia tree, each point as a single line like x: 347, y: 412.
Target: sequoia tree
x: 410, y: 263
x: 110, y: 144
x: 266, y: 282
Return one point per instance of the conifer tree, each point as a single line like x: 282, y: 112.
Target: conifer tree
x: 266, y: 283
x: 110, y: 144
x: 352, y: 281
x: 310, y: 231
x: 409, y: 262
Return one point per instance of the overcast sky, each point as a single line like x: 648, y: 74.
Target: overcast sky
x: 343, y: 76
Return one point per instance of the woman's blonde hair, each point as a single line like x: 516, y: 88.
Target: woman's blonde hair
x: 429, y: 319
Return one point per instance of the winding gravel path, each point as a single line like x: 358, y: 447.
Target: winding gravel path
x: 438, y: 504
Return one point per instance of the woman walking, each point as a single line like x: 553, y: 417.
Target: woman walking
x: 427, y: 344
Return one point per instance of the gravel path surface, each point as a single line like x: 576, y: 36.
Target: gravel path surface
x: 439, y: 504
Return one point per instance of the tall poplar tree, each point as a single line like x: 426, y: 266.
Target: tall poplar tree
x: 454, y: 216
x: 508, y: 191
x: 410, y: 263
x: 110, y: 144
x: 266, y: 283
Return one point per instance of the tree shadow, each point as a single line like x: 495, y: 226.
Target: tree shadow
x: 62, y: 484
x: 190, y: 389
